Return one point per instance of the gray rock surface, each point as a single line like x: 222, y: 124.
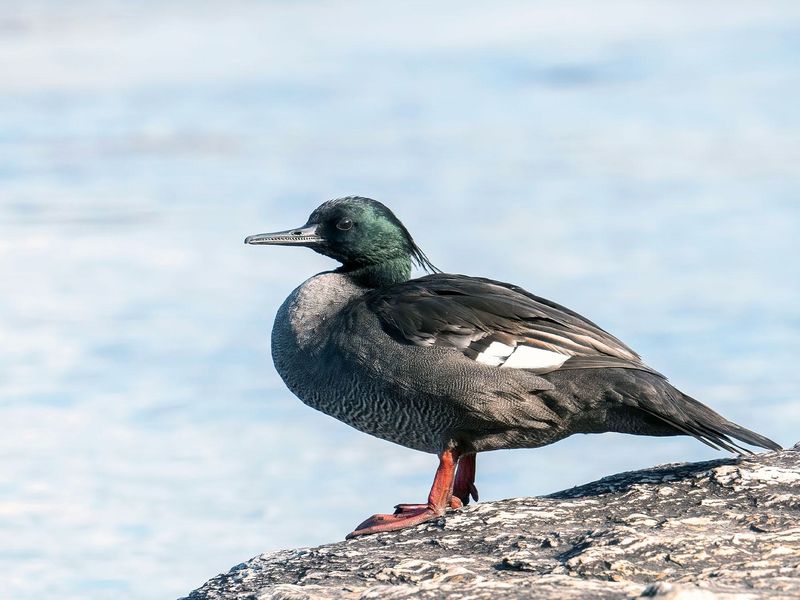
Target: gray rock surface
x: 722, y: 529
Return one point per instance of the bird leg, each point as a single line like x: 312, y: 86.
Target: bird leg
x: 464, y: 485
x: 409, y: 515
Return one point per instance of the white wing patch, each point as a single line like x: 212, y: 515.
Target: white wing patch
x: 520, y: 357
x: 495, y: 355
x: 525, y: 357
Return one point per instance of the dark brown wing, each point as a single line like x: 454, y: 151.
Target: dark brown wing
x: 496, y: 324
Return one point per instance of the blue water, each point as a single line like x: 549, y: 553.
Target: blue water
x: 637, y: 163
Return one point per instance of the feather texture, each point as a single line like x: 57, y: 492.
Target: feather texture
x: 496, y: 324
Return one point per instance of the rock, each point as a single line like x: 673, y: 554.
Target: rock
x: 722, y: 529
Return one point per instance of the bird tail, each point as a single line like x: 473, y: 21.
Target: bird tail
x: 711, y: 428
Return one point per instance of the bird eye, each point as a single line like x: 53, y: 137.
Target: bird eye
x: 344, y: 224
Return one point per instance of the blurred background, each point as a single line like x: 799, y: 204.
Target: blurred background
x: 637, y: 162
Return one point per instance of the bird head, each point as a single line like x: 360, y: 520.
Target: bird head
x: 362, y: 234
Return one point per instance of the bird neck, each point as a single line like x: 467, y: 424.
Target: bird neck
x: 377, y: 275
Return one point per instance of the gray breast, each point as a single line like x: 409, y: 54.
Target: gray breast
x: 329, y: 357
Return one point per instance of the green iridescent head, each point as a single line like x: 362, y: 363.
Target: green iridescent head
x: 362, y: 234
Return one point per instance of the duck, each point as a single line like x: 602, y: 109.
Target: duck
x: 455, y: 365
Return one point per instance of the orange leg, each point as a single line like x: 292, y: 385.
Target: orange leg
x: 409, y: 515
x: 464, y: 485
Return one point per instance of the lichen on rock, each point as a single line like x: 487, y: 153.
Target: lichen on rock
x: 722, y: 529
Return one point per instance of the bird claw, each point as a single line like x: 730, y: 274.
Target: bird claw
x: 399, y: 509
x: 465, y: 493
x: 473, y: 491
x: 464, y: 484
x: 406, y: 515
x: 455, y: 503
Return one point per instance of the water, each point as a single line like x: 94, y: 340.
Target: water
x: 638, y: 164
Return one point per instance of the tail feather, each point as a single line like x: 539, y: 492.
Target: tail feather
x: 696, y: 419
x: 713, y: 422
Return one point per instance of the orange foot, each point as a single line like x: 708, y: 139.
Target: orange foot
x: 441, y: 497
